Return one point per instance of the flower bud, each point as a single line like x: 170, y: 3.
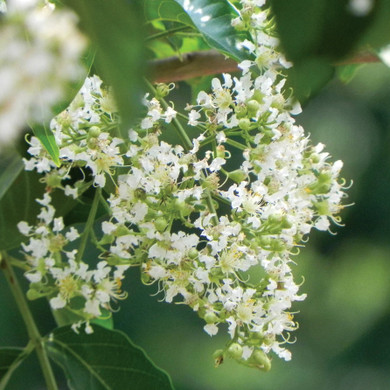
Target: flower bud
x: 221, y: 152
x: 253, y: 106
x: 238, y: 175
x: 93, y: 132
x: 241, y: 111
x: 261, y: 359
x: 210, y: 317
x: 160, y: 223
x: 235, y: 351
x: 162, y: 90
x: 244, y: 124
x: 193, y: 253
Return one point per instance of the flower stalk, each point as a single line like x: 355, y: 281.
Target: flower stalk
x: 32, y: 329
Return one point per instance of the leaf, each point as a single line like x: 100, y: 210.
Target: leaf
x: 166, y: 10
x: 18, y: 191
x: 306, y: 78
x: 10, y: 170
x: 321, y: 28
x: 213, y: 19
x: 104, y: 360
x: 315, y: 35
x: 117, y: 32
x: 46, y: 136
x: 17, y: 204
x: 9, y: 357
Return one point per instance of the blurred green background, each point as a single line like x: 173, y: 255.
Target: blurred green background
x: 343, y: 342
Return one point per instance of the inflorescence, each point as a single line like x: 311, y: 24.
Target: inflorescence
x: 196, y: 218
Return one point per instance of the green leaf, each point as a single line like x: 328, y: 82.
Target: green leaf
x: 10, y: 169
x: 306, y: 78
x: 10, y: 357
x: 166, y: 10
x: 104, y: 360
x: 321, y: 28
x: 46, y: 136
x: 18, y: 191
x: 378, y: 33
x: 17, y: 204
x: 213, y: 19
x: 315, y: 35
x: 116, y: 30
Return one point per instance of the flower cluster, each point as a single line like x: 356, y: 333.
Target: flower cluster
x: 60, y: 274
x: 197, y: 218
x: 40, y: 49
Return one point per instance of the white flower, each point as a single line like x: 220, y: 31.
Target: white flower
x: 57, y: 302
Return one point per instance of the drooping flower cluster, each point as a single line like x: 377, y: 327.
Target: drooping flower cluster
x: 40, y: 50
x: 197, y: 218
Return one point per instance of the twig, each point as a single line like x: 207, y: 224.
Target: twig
x: 209, y: 62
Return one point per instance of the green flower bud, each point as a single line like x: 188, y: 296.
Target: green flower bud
x: 160, y: 223
x: 258, y: 96
x: 93, y: 143
x: 322, y: 207
x: 93, y: 132
x: 277, y: 245
x: 238, y: 175
x: 244, y: 124
x: 323, y: 184
x: 162, y: 90
x: 216, y: 275
x: 193, y: 253
x: 253, y: 106
x: 221, y: 151
x: 264, y: 241
x: 261, y: 359
x: 210, y: 317
x: 53, y: 180
x: 235, y: 351
x: 241, y: 111
x: 182, y: 208
x: 57, y: 243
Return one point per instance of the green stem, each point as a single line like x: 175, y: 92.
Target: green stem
x: 88, y: 225
x: 19, y: 263
x: 15, y: 364
x: 236, y: 144
x: 166, y: 33
x: 28, y: 319
x: 103, y: 202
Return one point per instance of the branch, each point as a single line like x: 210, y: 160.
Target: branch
x: 190, y: 65
x: 202, y: 63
